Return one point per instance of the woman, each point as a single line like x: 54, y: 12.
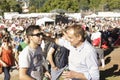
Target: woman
x: 58, y: 59
x: 7, y: 58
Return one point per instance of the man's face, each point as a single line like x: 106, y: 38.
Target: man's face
x: 36, y: 37
x: 74, y: 40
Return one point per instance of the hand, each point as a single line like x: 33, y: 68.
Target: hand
x: 4, y: 65
x: 55, y: 68
x: 68, y: 75
x: 17, y: 66
x: 47, y: 74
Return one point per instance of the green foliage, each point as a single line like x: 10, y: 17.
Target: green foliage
x: 114, y: 4
x: 67, y: 5
x: 84, y: 4
x: 10, y: 5
x: 32, y: 9
x: 35, y: 5
x: 4, y: 6
x: 94, y: 4
x: 102, y: 5
x: 17, y: 8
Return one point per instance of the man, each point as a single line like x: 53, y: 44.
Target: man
x: 31, y: 58
x: 83, y: 63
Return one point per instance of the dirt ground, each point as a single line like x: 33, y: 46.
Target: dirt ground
x: 112, y: 67
x: 110, y: 72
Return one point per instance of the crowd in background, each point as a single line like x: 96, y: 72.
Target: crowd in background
x: 108, y: 27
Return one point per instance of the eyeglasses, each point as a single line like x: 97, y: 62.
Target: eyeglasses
x: 38, y: 34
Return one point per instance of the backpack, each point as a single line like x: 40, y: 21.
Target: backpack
x: 60, y: 56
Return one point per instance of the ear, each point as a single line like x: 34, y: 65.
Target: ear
x: 30, y: 37
x: 80, y: 37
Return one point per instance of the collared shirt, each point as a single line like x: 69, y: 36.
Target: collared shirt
x: 83, y: 59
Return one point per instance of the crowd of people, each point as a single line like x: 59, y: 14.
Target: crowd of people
x: 32, y: 49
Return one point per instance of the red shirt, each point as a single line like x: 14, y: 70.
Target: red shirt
x: 7, y: 56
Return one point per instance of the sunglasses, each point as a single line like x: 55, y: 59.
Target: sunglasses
x: 38, y: 34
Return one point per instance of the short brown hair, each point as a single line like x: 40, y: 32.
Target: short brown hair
x: 31, y: 28
x: 78, y: 30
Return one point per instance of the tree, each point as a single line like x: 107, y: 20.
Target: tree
x: 94, y: 4
x: 32, y: 9
x: 10, y: 5
x: 114, y: 4
x: 36, y: 5
x: 17, y: 8
x: 68, y: 5
x: 84, y: 4
x: 102, y: 5
x: 4, y: 6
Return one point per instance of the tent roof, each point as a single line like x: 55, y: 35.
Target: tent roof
x: 43, y: 20
x: 92, y: 15
x: 47, y: 19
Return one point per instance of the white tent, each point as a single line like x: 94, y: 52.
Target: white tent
x: 108, y: 14
x: 76, y: 16
x: 91, y: 16
x: 44, y: 20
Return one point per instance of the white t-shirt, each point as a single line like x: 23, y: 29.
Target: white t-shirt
x: 95, y: 35
x: 33, y: 60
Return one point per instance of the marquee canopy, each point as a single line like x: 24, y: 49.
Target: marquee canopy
x: 42, y: 21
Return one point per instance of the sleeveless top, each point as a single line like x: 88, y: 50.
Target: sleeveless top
x: 7, y: 57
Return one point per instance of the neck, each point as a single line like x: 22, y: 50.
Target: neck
x: 33, y: 46
x: 26, y: 42
x: 6, y: 47
x: 78, y: 44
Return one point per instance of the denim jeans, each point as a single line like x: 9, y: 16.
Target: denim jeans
x: 6, y: 71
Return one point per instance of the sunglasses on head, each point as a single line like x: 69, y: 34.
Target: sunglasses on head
x: 38, y: 34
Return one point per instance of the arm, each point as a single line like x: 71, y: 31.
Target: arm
x: 45, y: 70
x: 23, y: 74
x: 92, y: 69
x: 0, y: 51
x: 2, y: 62
x: 24, y: 65
x: 73, y: 74
x: 47, y: 74
x: 50, y: 57
x: 93, y: 74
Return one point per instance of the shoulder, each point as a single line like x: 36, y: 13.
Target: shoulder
x: 53, y: 45
x: 25, y: 55
x: 88, y: 47
x: 25, y: 51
